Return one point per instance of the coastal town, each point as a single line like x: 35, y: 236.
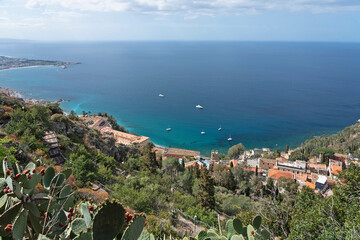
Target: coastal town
x: 316, y: 174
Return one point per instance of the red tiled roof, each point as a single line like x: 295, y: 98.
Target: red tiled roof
x: 310, y: 185
x: 335, y: 169
x: 278, y: 174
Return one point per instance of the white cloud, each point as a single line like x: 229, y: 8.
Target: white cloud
x: 194, y: 8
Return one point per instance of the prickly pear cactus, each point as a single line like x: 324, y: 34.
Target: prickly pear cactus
x: 51, y: 214
x: 25, y: 213
x: 236, y: 231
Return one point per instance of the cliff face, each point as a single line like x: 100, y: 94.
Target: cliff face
x: 78, y: 132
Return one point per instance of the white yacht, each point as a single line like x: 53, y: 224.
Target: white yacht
x: 199, y: 106
x: 161, y: 95
x: 230, y: 139
x: 168, y: 129
x: 202, y: 132
x: 219, y: 129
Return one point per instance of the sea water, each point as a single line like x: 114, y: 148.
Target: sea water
x: 263, y: 94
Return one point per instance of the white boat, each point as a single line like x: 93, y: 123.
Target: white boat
x: 63, y: 66
x: 199, y: 106
x: 168, y: 129
x: 160, y: 95
x: 202, y: 132
x: 219, y: 129
x: 230, y: 139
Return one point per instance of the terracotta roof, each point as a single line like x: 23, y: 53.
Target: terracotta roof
x: 310, y: 185
x: 335, y: 169
x: 301, y: 177
x: 278, y: 174
x: 182, y: 152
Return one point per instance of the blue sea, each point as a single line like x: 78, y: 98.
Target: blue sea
x: 263, y: 94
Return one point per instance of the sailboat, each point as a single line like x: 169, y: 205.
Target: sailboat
x: 230, y: 139
x: 161, y: 95
x: 202, y: 132
x: 219, y: 129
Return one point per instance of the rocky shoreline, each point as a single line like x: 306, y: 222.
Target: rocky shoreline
x: 12, y: 93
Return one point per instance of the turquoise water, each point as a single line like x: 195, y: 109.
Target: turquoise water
x: 262, y: 94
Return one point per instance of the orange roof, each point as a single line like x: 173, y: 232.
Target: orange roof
x: 335, y: 169
x: 278, y: 174
x: 310, y: 185
x: 301, y: 177
x: 253, y: 169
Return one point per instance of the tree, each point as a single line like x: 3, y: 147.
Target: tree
x: 149, y: 162
x: 235, y: 151
x: 287, y: 149
x: 223, y: 177
x: 171, y: 165
x: 82, y: 165
x: 206, y: 195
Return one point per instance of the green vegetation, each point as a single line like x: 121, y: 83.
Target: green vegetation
x: 167, y: 192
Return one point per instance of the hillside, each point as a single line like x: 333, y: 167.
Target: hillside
x: 179, y: 199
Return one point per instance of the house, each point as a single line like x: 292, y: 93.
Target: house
x: 321, y: 184
x: 310, y: 185
x: 334, y: 169
x: 293, y: 167
x: 125, y: 138
x: 301, y: 178
x: 214, y: 155
x: 265, y: 163
x: 253, y: 162
x: 180, y: 153
x: 255, y: 151
x: 276, y: 174
x: 318, y: 168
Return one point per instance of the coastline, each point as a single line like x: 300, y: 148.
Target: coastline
x: 13, y: 93
x: 38, y: 66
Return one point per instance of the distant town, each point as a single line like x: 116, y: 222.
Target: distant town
x: 13, y: 63
x: 315, y: 174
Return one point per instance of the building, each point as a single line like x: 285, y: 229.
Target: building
x: 125, y: 138
x: 276, y: 174
x: 265, y: 163
x: 253, y: 162
x: 180, y: 153
x: 321, y: 184
x: 318, y: 168
x: 293, y: 167
x: 214, y: 155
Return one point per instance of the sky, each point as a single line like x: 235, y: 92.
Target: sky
x: 181, y: 20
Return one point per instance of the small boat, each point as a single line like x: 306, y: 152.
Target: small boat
x: 168, y: 129
x: 199, y: 106
x: 63, y: 66
x: 202, y: 132
x: 230, y: 139
x: 160, y: 95
x: 219, y: 129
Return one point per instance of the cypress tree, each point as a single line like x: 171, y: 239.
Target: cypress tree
x: 231, y: 181
x: 149, y: 162
x: 231, y: 165
x: 287, y: 149
x: 206, y: 195
x: 196, y: 170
